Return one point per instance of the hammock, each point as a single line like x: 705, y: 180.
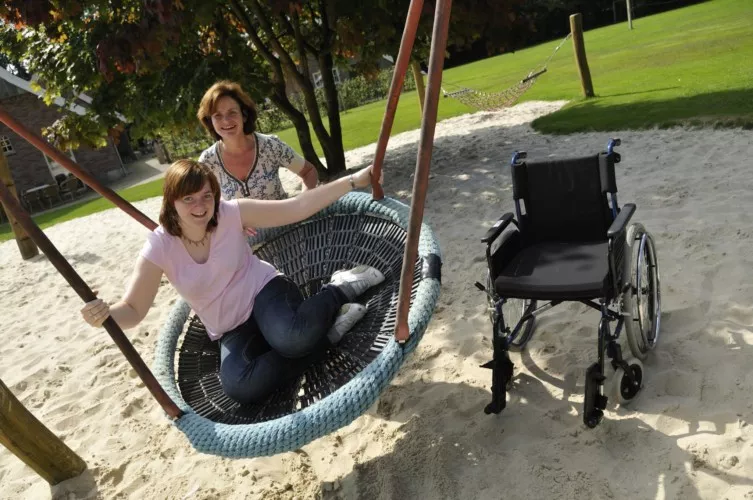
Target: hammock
x: 349, y: 377
x: 491, y: 101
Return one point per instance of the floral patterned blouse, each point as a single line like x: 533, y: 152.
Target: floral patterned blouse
x: 264, y: 180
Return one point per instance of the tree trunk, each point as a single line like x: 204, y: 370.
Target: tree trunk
x: 301, y: 128
x: 335, y: 163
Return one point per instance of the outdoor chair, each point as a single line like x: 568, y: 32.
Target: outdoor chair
x: 31, y: 198
x: 68, y: 188
x: 50, y: 193
x: 570, y: 241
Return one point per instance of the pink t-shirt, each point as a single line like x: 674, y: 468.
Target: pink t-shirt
x: 222, y: 290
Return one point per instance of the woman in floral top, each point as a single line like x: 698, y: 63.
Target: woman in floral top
x: 245, y: 162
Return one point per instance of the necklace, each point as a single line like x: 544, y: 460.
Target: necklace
x: 197, y: 242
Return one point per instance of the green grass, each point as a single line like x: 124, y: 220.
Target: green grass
x: 688, y: 66
x: 47, y: 219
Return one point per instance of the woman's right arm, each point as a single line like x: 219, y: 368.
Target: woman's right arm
x: 136, y: 302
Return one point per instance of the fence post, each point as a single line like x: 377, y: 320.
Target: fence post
x: 629, y: 13
x: 420, y: 87
x: 25, y: 244
x: 579, y: 48
x: 28, y: 439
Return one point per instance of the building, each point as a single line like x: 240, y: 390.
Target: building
x: 31, y: 168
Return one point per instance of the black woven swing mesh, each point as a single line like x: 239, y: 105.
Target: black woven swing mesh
x: 308, y: 253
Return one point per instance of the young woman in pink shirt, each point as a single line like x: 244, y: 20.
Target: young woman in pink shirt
x: 268, y: 333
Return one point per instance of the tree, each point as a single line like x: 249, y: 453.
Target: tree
x: 149, y: 61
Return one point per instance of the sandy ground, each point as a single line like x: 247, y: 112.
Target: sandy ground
x: 686, y: 435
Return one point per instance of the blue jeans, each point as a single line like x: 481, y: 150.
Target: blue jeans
x: 281, y: 338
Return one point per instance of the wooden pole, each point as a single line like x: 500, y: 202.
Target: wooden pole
x: 579, y: 48
x: 25, y: 244
x: 32, y: 442
x: 398, y: 77
x: 420, y: 88
x: 45, y: 147
x: 423, y: 163
x: 629, y: 14
x: 86, y: 294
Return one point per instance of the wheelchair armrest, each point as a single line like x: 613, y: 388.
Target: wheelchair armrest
x: 620, y: 222
x: 498, y: 227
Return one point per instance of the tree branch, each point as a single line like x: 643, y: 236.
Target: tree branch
x: 240, y: 13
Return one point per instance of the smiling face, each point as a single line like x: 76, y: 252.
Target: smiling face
x: 196, y: 209
x: 227, y: 118
x: 190, y: 198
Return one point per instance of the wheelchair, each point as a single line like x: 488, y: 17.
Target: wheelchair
x: 569, y: 240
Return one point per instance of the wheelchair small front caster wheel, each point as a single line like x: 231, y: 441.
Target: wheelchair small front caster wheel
x: 593, y: 418
x: 623, y: 387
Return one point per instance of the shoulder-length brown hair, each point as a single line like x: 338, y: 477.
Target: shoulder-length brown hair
x: 215, y: 93
x: 182, y: 178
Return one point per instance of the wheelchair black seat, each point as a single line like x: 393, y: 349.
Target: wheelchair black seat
x: 569, y: 240
x: 556, y: 270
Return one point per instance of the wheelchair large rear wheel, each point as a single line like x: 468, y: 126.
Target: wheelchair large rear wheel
x: 512, y: 310
x: 641, y: 300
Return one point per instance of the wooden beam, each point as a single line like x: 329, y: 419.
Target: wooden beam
x: 32, y: 442
x: 579, y: 48
x: 423, y: 164
x: 87, y: 295
x: 420, y: 88
x: 91, y: 181
x: 629, y: 13
x: 25, y: 244
x: 398, y: 77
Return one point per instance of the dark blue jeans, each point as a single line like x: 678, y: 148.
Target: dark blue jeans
x: 283, y: 335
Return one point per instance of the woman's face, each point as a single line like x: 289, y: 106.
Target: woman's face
x: 197, y: 209
x: 227, y: 118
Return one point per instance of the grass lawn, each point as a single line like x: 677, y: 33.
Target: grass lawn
x: 688, y: 66
x: 691, y: 65
x: 132, y: 194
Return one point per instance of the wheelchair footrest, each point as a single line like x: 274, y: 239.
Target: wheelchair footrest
x: 594, y: 403
x: 502, y: 371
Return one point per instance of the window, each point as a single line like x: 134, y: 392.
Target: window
x: 318, y: 83
x: 55, y: 167
x: 6, y: 146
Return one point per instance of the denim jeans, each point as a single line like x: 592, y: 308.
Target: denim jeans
x: 281, y: 338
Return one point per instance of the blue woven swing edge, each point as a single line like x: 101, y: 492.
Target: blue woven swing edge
x: 337, y: 410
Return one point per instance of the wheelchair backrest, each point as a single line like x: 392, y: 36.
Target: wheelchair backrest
x: 565, y: 200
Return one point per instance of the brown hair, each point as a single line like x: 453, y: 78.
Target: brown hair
x: 182, y: 178
x: 215, y: 93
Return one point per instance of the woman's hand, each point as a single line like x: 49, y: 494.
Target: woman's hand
x: 362, y: 178
x: 250, y: 231
x: 96, y: 312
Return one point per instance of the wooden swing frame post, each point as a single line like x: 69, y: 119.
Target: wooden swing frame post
x: 31, y: 441
x: 423, y: 163
x: 86, y: 294
x: 398, y: 77
x: 88, y: 179
x: 25, y: 245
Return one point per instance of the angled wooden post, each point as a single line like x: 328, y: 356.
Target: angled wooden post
x: 423, y: 163
x: 579, y: 48
x: 25, y: 244
x: 420, y: 87
x: 32, y: 442
x: 87, y: 295
x: 88, y: 179
x: 398, y: 77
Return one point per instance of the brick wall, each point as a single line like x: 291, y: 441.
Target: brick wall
x: 27, y: 164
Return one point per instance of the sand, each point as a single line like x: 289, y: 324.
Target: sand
x: 685, y: 436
